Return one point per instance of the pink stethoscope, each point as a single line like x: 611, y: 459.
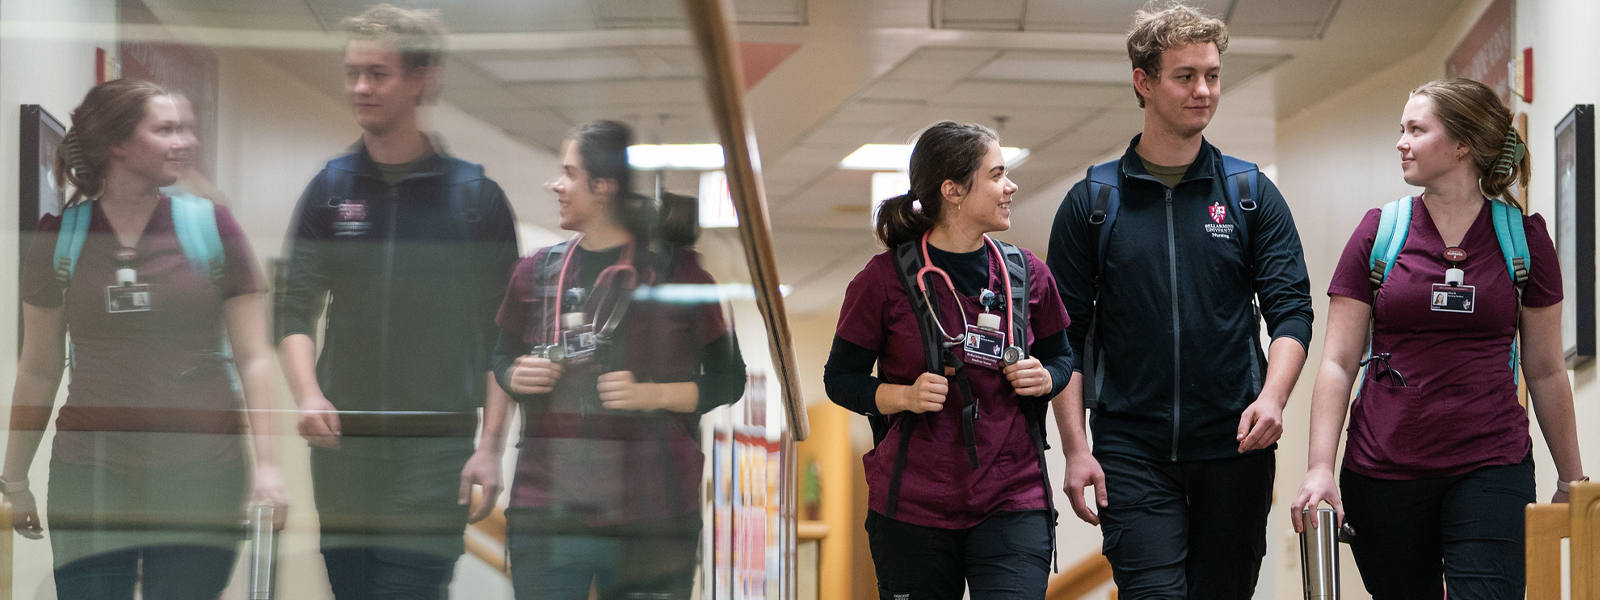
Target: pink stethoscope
x: 927, y: 267
x: 623, y: 266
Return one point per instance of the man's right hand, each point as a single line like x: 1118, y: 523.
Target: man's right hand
x: 534, y: 375
x: 1084, y: 471
x: 319, y: 422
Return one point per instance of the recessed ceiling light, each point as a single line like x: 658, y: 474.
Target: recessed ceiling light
x: 896, y: 157
x: 675, y: 157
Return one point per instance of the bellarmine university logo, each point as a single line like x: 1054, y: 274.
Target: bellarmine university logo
x: 1219, y: 213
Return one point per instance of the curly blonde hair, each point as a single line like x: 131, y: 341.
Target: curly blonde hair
x: 1155, y: 31
x: 417, y: 33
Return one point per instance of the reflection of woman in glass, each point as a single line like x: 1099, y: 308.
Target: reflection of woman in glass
x: 611, y: 383
x: 147, y: 473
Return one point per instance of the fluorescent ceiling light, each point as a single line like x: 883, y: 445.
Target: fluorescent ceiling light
x: 676, y: 157
x: 896, y: 157
x: 886, y: 185
x: 716, y: 204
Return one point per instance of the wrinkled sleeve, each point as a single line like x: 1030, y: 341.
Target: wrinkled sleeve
x: 1282, y: 284
x: 304, y: 277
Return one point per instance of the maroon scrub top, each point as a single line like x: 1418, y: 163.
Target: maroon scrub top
x: 1460, y: 410
x: 128, y: 400
x: 613, y: 467
x: 938, y: 488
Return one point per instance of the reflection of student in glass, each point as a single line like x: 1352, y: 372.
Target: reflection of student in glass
x: 1439, y: 462
x: 407, y: 249
x: 148, y: 474
x: 607, y: 484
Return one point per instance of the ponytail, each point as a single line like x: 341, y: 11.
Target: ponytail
x: 903, y: 219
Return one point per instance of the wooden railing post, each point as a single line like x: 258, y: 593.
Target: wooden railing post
x: 1547, y: 524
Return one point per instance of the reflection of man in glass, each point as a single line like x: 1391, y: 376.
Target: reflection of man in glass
x: 407, y: 248
x: 607, y: 491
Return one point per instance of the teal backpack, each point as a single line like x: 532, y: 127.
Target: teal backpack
x: 194, y: 221
x: 1395, y: 223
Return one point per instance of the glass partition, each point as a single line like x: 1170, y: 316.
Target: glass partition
x: 322, y: 299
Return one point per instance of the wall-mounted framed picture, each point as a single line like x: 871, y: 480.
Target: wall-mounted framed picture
x: 41, y: 136
x: 1575, y: 231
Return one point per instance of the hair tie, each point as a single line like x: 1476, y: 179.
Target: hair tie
x: 1511, y: 153
x: 71, y: 152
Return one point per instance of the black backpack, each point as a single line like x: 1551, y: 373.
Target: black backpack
x: 940, y: 358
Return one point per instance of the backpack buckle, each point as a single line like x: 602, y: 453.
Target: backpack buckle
x: 1097, y: 217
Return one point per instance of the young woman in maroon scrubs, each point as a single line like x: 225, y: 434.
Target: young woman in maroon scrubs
x: 148, y: 474
x: 608, y: 475
x: 950, y: 527
x: 1439, y: 463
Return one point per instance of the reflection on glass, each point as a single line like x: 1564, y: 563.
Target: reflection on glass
x: 387, y: 184
x: 612, y: 380
x: 147, y: 472
x: 406, y: 247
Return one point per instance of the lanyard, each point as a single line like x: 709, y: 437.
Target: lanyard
x: 927, y: 267
x: 623, y: 266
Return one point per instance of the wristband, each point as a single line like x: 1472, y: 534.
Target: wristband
x: 12, y: 487
x: 1561, y: 486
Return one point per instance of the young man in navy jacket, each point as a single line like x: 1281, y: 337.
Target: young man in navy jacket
x: 1186, y: 409
x: 409, y: 251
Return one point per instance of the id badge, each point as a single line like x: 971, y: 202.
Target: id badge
x: 1452, y: 298
x: 579, y: 343
x: 983, y: 347
x: 128, y: 298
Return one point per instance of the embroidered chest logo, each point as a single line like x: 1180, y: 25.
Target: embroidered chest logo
x: 1218, y: 228
x: 351, y: 218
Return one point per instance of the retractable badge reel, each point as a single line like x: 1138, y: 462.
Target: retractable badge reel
x: 1453, y: 295
x: 128, y: 295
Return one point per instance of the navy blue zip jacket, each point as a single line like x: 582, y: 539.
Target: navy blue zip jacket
x: 1178, y: 343
x: 411, y: 275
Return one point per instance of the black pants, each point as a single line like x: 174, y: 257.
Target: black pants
x: 1195, y: 529
x: 557, y: 557
x: 167, y: 572
x: 391, y: 528
x: 1004, y: 557
x: 1414, y: 537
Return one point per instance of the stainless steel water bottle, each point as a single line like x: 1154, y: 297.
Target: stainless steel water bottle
x: 1319, y: 554
x: 263, y: 540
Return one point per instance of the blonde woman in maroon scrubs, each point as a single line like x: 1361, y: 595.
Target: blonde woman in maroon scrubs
x: 939, y: 525
x: 148, y: 474
x: 1439, y: 463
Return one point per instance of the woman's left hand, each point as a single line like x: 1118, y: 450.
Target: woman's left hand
x: 620, y: 390
x: 267, y: 488
x: 1029, y: 377
x: 1559, y: 498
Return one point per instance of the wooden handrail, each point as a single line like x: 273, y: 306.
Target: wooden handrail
x: 711, y: 22
x: 1547, y: 524
x: 1082, y: 577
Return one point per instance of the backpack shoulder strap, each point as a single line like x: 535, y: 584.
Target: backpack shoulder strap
x: 1105, y: 183
x: 194, y: 221
x: 907, y: 261
x: 1393, y: 225
x: 1240, y: 178
x: 1508, y: 229
x: 1018, y: 277
x: 69, y: 241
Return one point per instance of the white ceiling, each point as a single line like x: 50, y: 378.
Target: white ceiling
x: 1256, y: 18
x: 1054, y: 71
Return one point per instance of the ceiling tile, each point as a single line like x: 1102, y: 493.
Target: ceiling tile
x: 1002, y: 95
x: 940, y: 64
x: 904, y: 89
